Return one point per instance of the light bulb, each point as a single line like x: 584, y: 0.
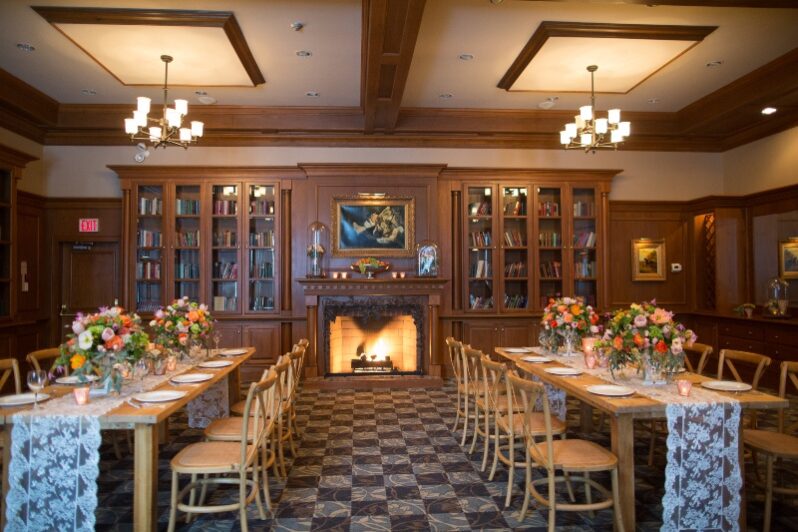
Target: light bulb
x: 155, y: 133
x: 615, y: 136
x: 570, y: 129
x: 614, y: 116
x: 140, y: 118
x: 130, y: 126
x: 196, y: 128
x: 601, y: 126
x: 565, y: 138
x: 172, y: 117
x: 143, y: 104
x: 625, y: 128
x: 579, y: 122
x: 182, y: 107
x: 586, y: 139
x: 586, y: 112
x: 185, y: 134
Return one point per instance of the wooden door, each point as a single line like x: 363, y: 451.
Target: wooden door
x: 482, y: 335
x: 265, y: 338
x: 90, y: 278
x: 519, y: 334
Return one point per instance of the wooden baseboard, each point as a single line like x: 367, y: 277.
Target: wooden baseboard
x: 402, y: 382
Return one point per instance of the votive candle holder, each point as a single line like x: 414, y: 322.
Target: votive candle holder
x: 684, y: 386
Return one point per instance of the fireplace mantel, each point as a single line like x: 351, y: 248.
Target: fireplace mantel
x: 431, y: 288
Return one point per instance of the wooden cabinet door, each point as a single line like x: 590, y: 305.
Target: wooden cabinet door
x: 519, y: 334
x: 265, y: 338
x: 482, y: 335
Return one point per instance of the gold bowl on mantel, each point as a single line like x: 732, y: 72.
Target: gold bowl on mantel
x: 370, y: 269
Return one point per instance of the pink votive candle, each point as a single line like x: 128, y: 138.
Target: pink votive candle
x: 591, y: 360
x: 589, y: 344
x: 81, y: 395
x: 684, y: 387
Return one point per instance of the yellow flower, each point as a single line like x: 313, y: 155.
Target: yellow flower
x: 77, y: 361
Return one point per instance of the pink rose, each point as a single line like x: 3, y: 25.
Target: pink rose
x: 108, y: 333
x: 661, y: 316
x: 640, y: 321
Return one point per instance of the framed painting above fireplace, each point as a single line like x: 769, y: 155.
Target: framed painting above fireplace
x: 376, y: 224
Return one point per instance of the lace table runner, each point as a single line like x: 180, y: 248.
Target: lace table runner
x: 702, y: 476
x: 55, y: 455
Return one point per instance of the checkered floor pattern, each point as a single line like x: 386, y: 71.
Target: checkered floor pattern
x: 382, y: 460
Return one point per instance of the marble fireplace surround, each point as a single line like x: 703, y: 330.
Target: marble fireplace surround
x: 413, y: 296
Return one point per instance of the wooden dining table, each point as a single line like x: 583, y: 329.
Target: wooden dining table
x: 146, y: 421
x: 624, y: 411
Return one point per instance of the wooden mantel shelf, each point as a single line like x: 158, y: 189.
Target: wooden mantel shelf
x: 387, y: 285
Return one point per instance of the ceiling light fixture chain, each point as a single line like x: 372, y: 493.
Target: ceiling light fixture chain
x: 166, y: 130
x: 589, y: 133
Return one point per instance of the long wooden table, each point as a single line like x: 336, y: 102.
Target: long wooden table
x: 623, y: 412
x: 145, y: 422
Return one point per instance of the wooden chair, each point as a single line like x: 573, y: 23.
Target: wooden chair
x: 476, y: 391
x: 569, y: 456
x: 238, y: 408
x: 228, y: 462
x: 728, y: 358
x: 702, y: 352
x: 454, y: 350
x: 780, y: 445
x: 9, y: 367
x: 296, y: 358
x: 36, y: 358
x: 508, y: 422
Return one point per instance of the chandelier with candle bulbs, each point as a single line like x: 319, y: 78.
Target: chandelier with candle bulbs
x: 168, y: 129
x: 589, y: 133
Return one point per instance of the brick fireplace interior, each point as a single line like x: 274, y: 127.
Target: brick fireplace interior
x: 371, y: 345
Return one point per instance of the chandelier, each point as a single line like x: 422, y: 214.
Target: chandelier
x: 168, y: 128
x: 589, y: 133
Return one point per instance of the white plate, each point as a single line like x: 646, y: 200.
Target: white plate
x: 21, y: 399
x: 74, y: 379
x: 215, y: 364
x: 187, y: 378
x: 536, y: 359
x: 517, y: 349
x: 610, y: 390
x: 727, y: 386
x: 159, y: 396
x: 563, y: 371
x: 232, y: 352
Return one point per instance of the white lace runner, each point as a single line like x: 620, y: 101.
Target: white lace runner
x: 702, y: 476
x: 55, y: 455
x: 213, y: 404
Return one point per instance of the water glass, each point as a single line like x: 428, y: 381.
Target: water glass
x: 140, y: 370
x: 37, y: 380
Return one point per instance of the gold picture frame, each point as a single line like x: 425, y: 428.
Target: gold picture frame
x: 373, y: 225
x: 648, y: 259
x: 788, y: 259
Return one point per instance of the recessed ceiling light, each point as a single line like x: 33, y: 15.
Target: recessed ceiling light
x: 714, y: 64
x: 296, y: 26
x: 88, y: 92
x: 304, y: 53
x: 548, y: 103
x: 200, y: 93
x: 496, y: 2
x: 653, y: 100
x: 312, y: 94
x: 769, y: 110
x: 207, y: 100
x: 445, y: 96
x: 466, y: 57
x: 26, y: 47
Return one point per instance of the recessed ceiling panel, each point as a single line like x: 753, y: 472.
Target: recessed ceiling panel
x: 561, y: 64
x: 202, y: 56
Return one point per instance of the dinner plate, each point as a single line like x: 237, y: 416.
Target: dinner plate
x: 727, y: 386
x: 74, y: 379
x: 232, y: 352
x: 159, y: 396
x: 188, y: 378
x: 517, y: 349
x: 563, y: 371
x: 215, y: 364
x: 610, y: 390
x: 22, y: 399
x: 535, y: 359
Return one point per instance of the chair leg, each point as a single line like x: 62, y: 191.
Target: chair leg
x: 191, y: 497
x: 242, y: 503
x: 457, y: 414
x: 256, y: 488
x: 527, y: 487
x: 465, y: 421
x: 496, y: 451
x: 203, y: 490
x: 589, y: 493
x: 511, y: 467
x: 267, y: 497
x: 487, y: 442
x: 616, y: 501
x: 552, y: 502
x: 173, y: 503
x: 768, y: 492
x: 476, y: 429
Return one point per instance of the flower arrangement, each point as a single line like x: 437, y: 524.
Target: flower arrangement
x: 182, y: 321
x: 570, y: 314
x: 645, y: 334
x: 100, y: 341
x: 370, y: 265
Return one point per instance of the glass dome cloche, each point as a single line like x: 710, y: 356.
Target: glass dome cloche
x: 318, y: 250
x: 778, y: 302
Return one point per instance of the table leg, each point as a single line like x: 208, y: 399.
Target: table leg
x: 234, y: 386
x: 163, y: 432
x: 741, y: 447
x: 623, y: 447
x: 586, y: 418
x: 145, y: 479
x: 5, y: 437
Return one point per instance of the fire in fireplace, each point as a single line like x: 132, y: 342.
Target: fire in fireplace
x: 373, y: 345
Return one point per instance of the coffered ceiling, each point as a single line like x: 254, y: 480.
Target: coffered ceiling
x: 462, y: 73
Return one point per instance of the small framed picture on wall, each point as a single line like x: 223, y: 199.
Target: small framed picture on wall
x: 648, y: 259
x: 788, y: 259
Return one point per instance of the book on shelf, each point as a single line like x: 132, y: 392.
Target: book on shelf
x: 480, y: 303
x: 225, y: 238
x: 515, y: 269
x: 148, y: 270
x: 149, y: 239
x: 262, y: 303
x: 223, y: 207
x: 479, y: 208
x: 480, y: 269
x: 516, y: 208
x: 225, y: 270
x: 584, y: 208
x: 513, y: 238
x: 150, y: 206
x: 187, y: 270
x: 262, y: 239
x: 585, y: 239
x: 515, y: 301
x: 188, y: 238
x: 261, y: 207
x: 261, y: 270
x: 550, y: 239
x: 548, y: 208
x: 584, y: 269
x: 481, y: 239
x: 551, y: 269
x: 187, y: 207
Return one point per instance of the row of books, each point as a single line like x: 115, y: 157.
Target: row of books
x: 514, y: 301
x: 224, y: 207
x: 148, y: 297
x: 548, y: 208
x: 190, y: 290
x: 262, y: 239
x: 222, y: 303
x: 514, y: 238
x: 480, y: 208
x: 585, y: 269
x: 584, y: 208
x: 515, y: 269
x: 262, y: 270
x: 481, y: 238
x: 150, y: 271
x: 550, y: 239
x: 480, y: 303
x: 261, y: 303
x: 149, y: 239
x: 188, y: 238
x: 516, y: 208
x: 187, y: 270
x: 585, y: 239
x: 257, y: 207
x: 150, y: 206
x: 551, y: 269
x: 225, y: 238
x: 480, y: 269
x: 187, y: 207
x: 225, y: 270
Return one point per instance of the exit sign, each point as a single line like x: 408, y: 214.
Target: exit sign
x: 89, y: 225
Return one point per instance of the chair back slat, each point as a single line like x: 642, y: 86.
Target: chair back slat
x: 36, y: 358
x: 472, y: 369
x: 455, y: 358
x: 493, y: 375
x: 533, y: 393
x: 728, y: 357
x: 702, y: 352
x: 260, y: 399
x: 10, y: 367
x: 789, y: 375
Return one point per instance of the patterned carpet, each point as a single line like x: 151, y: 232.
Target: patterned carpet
x: 386, y: 460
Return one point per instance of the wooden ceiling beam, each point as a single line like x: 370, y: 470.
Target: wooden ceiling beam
x: 390, y: 31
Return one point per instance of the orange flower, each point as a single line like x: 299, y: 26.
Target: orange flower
x: 562, y: 308
x: 77, y: 361
x: 576, y: 309
x: 567, y: 318
x: 182, y: 338
x: 617, y: 342
x: 582, y: 324
x: 661, y: 347
x: 193, y: 315
x: 594, y: 319
x: 638, y: 340
x: 115, y: 343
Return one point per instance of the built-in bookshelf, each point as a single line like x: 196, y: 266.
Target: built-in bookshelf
x: 480, y: 230
x: 149, y: 271
x: 261, y: 247
x: 515, y: 247
x: 6, y: 237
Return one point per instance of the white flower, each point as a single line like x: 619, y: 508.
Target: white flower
x: 77, y: 327
x: 594, y: 329
x: 203, y: 307
x: 158, y: 314
x: 85, y: 340
x: 153, y: 323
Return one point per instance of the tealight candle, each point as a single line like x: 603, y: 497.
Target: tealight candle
x: 171, y: 363
x: 591, y: 360
x: 335, y: 275
x: 81, y: 395
x: 401, y: 275
x: 589, y: 344
x: 684, y: 387
x: 344, y: 275
x: 394, y: 275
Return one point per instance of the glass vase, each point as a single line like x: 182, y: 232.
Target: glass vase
x: 570, y: 339
x: 652, y: 370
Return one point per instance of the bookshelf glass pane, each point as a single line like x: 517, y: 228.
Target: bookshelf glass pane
x: 549, y: 243
x: 515, y: 255
x: 480, y: 241
x: 584, y: 244
x: 5, y: 242
x: 149, y: 248
x: 187, y: 241
x: 225, y: 273
x: 261, y: 248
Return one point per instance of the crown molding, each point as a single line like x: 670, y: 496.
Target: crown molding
x: 793, y: 4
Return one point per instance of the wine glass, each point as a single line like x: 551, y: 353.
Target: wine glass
x: 217, y: 338
x: 37, y: 379
x: 140, y: 370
